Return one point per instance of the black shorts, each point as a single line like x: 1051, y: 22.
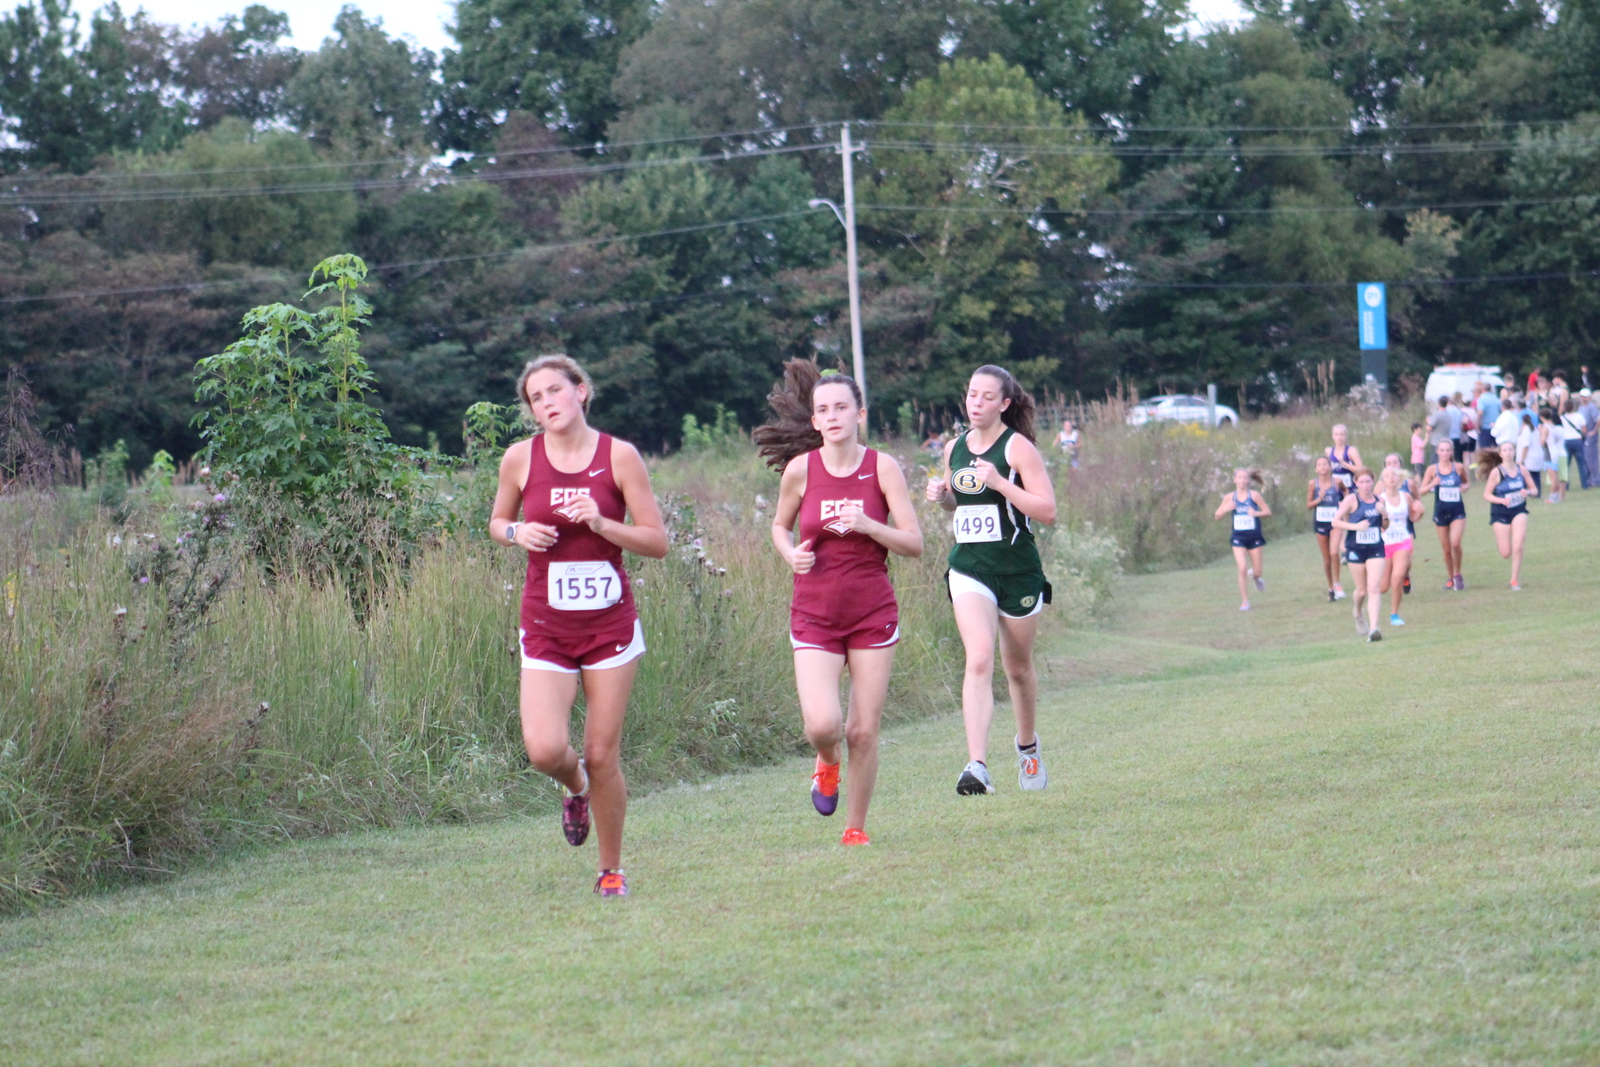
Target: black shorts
x: 1500, y: 515
x: 1322, y: 529
x: 1363, y: 553
x: 1248, y: 540
x: 1445, y: 514
x: 1461, y: 447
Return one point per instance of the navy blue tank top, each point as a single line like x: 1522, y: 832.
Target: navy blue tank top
x: 1372, y: 515
x: 1510, y: 483
x: 1241, y: 511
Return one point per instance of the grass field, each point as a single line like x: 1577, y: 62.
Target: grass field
x: 1265, y: 841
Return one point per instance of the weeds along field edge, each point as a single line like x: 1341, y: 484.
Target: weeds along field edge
x: 138, y: 731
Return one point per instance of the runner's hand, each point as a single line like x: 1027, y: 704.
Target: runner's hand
x: 855, y: 518
x: 585, y: 510
x: 802, y: 559
x: 989, y: 473
x: 938, y: 488
x: 536, y: 536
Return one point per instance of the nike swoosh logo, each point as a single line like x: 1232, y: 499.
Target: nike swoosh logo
x: 594, y: 474
x: 622, y: 648
x: 863, y: 477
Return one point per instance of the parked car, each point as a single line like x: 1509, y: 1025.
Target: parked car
x: 1180, y: 408
x: 1458, y: 378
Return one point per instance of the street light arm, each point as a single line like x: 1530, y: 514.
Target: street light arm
x: 825, y: 202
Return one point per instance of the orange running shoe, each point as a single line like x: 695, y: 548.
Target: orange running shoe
x: 612, y: 884
x: 825, y: 788
x: 855, y: 837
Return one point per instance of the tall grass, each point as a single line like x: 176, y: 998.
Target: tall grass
x: 131, y: 739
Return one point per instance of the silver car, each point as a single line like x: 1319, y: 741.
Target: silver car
x: 1180, y: 408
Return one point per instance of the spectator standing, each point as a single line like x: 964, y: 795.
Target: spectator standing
x: 1507, y: 424
x: 1439, y: 423
x: 1488, y: 406
x: 1572, y: 434
x: 1591, y: 436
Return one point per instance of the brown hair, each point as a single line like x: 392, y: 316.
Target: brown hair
x: 1254, y: 478
x: 789, y: 432
x: 1019, y: 415
x: 1488, y: 460
x: 569, y: 368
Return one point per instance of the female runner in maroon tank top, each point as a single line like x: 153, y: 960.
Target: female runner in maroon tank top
x: 844, y: 611
x: 574, y: 487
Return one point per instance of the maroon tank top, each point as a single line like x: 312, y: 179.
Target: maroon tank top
x: 578, y: 587
x: 850, y: 579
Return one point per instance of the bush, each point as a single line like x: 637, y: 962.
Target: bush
x: 319, y: 484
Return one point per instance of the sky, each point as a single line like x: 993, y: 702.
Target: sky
x: 424, y: 20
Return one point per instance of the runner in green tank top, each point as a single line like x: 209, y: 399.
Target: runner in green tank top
x: 995, y: 483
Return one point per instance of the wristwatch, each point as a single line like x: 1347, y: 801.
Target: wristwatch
x: 511, y: 532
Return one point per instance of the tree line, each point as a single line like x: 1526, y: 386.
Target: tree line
x: 1081, y: 189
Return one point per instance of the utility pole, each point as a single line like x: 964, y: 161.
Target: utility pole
x: 852, y: 269
x: 847, y: 219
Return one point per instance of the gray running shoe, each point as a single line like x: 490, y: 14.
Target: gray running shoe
x: 1361, y: 621
x: 1031, y: 774
x: 1261, y: 584
x: 1375, y: 635
x: 1460, y: 584
x: 974, y: 780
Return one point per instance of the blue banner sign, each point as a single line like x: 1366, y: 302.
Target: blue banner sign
x: 1372, y: 315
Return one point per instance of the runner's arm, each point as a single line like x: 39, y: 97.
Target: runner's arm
x: 1036, y: 496
x: 939, y: 487
x: 1346, y: 506
x: 790, y: 490
x: 904, y: 538
x: 1224, y: 507
x: 534, y: 536
x: 1488, y: 487
x: 646, y: 535
x: 1261, y: 510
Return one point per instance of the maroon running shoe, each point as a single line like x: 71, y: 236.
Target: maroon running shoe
x: 575, y: 812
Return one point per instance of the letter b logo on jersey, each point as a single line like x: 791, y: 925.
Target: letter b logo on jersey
x: 966, y: 480
x: 831, y: 510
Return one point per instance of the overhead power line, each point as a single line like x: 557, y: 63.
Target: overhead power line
x: 528, y: 250
x: 63, y: 197
x: 1223, y: 212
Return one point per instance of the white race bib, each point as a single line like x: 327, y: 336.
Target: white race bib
x: 1246, y: 523
x: 977, y: 522
x: 1513, y: 499
x: 1449, y: 494
x: 1344, y: 480
x: 1369, y: 536
x: 1395, y: 533
x: 583, y: 586
x: 1326, y: 513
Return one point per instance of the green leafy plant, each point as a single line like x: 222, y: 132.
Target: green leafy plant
x: 319, y: 482
x: 722, y: 430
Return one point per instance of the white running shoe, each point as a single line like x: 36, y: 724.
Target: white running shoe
x: 1031, y: 774
x: 1361, y: 620
x: 974, y: 780
x: 1261, y: 584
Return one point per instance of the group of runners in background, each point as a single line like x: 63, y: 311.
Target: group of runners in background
x: 574, y: 498
x: 1366, y: 521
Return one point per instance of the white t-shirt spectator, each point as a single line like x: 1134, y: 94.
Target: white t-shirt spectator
x: 1506, y: 426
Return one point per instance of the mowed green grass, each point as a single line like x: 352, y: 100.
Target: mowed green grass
x: 1265, y: 841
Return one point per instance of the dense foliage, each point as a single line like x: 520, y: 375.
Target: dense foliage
x: 1083, y: 189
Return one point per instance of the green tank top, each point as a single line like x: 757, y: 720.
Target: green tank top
x: 992, y: 536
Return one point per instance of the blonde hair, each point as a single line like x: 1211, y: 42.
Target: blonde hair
x: 569, y: 369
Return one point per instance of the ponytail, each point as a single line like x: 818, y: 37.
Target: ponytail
x: 1488, y: 460
x: 1019, y: 414
x: 789, y: 432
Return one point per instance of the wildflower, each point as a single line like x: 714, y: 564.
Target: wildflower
x: 205, y: 472
x: 220, y: 498
x: 120, y: 612
x: 144, y: 579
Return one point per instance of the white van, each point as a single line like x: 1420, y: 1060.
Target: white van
x: 1455, y: 378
